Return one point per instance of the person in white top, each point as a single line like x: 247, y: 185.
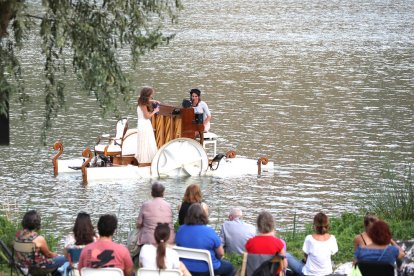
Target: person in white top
x: 319, y: 247
x: 200, y: 107
x: 160, y: 256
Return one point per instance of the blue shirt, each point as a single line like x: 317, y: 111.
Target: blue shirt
x: 386, y: 255
x: 199, y: 237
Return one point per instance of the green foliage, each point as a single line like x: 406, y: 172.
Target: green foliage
x: 395, y: 199
x: 235, y: 259
x: 90, y: 34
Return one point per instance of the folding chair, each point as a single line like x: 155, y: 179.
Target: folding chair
x: 10, y: 259
x: 73, y: 257
x: 25, y: 253
x: 369, y: 268
x: 252, y: 263
x: 196, y: 254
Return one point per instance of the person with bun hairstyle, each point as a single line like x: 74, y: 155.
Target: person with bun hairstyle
x: 200, y: 107
x: 160, y: 256
x: 319, y: 247
x: 381, y: 249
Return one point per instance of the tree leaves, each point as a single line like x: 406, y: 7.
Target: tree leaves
x: 90, y: 34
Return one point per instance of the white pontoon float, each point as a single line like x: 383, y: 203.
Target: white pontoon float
x: 179, y: 154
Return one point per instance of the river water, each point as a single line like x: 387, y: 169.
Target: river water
x: 324, y: 89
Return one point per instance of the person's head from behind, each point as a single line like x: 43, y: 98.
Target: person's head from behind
x: 146, y: 95
x: 321, y: 223
x: 31, y: 220
x: 83, y: 229
x: 369, y: 219
x: 196, y: 215
x: 161, y: 235
x: 192, y: 194
x: 157, y: 190
x: 380, y: 233
x: 265, y: 222
x: 235, y: 213
x: 107, y: 225
x: 195, y: 94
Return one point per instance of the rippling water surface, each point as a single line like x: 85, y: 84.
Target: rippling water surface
x: 325, y: 89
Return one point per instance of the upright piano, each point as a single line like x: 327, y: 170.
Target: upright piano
x: 176, y: 122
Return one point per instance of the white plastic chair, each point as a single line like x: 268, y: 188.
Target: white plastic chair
x: 107, y: 271
x: 162, y: 272
x: 196, y: 254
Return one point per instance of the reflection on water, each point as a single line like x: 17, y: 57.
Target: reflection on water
x: 323, y: 88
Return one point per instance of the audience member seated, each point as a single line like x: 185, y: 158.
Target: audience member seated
x: 83, y: 233
x: 266, y: 241
x: 43, y: 257
x: 152, y: 212
x: 235, y: 232
x: 380, y: 250
x: 160, y: 256
x: 319, y: 247
x: 363, y: 238
x: 192, y: 195
x: 104, y: 252
x: 196, y: 234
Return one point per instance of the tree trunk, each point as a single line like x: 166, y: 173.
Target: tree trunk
x: 5, y: 126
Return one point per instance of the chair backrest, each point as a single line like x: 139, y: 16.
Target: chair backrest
x: 196, y: 254
x: 162, y: 272
x: 74, y: 254
x: 129, y: 145
x: 25, y: 253
x: 121, y: 128
x: 10, y: 259
x: 376, y: 269
x: 269, y: 262
x: 107, y: 271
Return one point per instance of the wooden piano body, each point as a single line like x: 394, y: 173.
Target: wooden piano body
x: 175, y: 122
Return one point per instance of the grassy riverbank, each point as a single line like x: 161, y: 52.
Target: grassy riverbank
x: 393, y: 202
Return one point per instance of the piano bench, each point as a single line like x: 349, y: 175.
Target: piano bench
x: 210, y: 138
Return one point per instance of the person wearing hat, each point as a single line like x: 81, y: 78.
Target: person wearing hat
x: 200, y: 107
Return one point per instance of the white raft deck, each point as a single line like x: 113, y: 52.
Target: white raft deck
x: 180, y: 157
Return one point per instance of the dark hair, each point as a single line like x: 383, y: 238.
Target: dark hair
x: 107, y: 225
x: 192, y: 194
x: 196, y: 215
x: 161, y: 235
x: 31, y: 220
x: 157, y: 190
x: 144, y: 97
x: 380, y: 233
x: 321, y: 223
x: 83, y: 229
x: 369, y: 219
x: 265, y: 222
x: 195, y: 90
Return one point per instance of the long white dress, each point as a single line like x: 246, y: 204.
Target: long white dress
x: 146, y: 144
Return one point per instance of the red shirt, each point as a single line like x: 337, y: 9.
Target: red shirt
x: 264, y: 245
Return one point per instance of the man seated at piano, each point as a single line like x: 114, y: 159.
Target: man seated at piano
x: 200, y: 107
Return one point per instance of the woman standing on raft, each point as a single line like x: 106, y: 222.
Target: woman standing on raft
x: 146, y: 146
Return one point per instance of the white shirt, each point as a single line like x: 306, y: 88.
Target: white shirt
x: 319, y: 255
x: 148, y: 257
x: 203, y: 108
